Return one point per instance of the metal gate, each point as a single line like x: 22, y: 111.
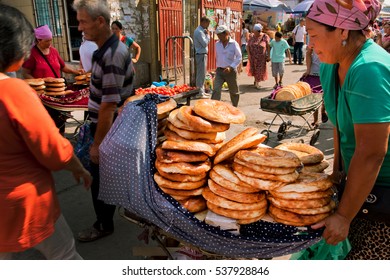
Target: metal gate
x: 170, y: 14
x: 228, y: 12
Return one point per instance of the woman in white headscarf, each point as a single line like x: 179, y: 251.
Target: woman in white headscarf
x: 258, y: 54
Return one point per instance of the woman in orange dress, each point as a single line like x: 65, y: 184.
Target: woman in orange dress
x: 30, y: 148
x: 258, y: 54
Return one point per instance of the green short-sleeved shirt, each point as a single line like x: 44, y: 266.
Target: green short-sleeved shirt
x: 278, y: 50
x: 364, y: 98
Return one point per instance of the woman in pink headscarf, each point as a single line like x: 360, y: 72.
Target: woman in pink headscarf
x: 44, y: 62
x: 355, y: 76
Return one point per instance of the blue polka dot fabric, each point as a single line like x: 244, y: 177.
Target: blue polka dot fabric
x: 126, y: 177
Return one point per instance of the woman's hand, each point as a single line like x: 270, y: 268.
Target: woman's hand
x: 83, y: 175
x: 336, y: 228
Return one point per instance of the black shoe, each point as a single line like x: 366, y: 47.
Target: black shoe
x: 301, y: 63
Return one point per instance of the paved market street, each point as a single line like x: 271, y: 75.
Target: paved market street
x: 76, y: 202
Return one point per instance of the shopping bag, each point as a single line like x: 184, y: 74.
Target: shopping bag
x: 84, y: 142
x: 324, y: 251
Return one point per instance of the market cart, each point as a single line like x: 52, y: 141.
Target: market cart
x: 303, y: 107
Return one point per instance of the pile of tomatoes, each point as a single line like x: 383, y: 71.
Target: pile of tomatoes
x: 169, y: 91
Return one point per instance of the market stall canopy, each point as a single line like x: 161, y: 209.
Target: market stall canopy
x: 255, y: 5
x: 303, y: 7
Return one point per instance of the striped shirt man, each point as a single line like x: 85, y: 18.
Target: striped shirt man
x: 112, y: 76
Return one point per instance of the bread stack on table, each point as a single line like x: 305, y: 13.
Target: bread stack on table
x: 37, y: 84
x: 55, y: 86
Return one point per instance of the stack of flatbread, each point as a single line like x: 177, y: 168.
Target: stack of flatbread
x: 82, y: 79
x: 55, y: 86
x: 37, y: 84
x: 304, y: 202
x: 312, y: 158
x: 183, y: 159
x: 294, y: 91
x: 230, y: 197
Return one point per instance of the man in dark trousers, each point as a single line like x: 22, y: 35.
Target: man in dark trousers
x: 111, y: 83
x: 299, y: 39
x: 201, y: 42
x: 229, y: 57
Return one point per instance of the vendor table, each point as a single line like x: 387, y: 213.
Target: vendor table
x: 187, y: 95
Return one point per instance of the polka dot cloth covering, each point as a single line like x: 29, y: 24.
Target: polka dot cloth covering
x: 127, y: 167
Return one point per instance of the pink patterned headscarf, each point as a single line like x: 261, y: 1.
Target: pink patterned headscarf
x: 345, y: 14
x: 43, y: 33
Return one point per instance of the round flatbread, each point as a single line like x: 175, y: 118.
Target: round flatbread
x: 306, y: 153
x: 236, y: 214
x: 260, y: 184
x: 246, y: 139
x: 271, y: 157
x: 240, y: 187
x: 263, y: 168
x: 165, y: 183
x: 300, y: 204
x: 170, y: 156
x: 189, y: 146
x: 218, y: 111
x: 229, y: 204
x: 234, y: 195
x: 184, y: 167
x: 290, y: 218
x: 181, y: 177
x: 315, y: 168
x: 287, y: 178
x: 307, y: 182
x: 194, y: 204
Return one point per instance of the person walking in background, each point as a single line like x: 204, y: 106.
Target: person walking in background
x: 30, y: 148
x: 44, y: 62
x: 228, y: 56
x: 117, y: 29
x: 244, y: 40
x: 312, y: 77
x: 111, y: 84
x: 258, y: 55
x: 383, y: 40
x: 86, y: 51
x: 279, y: 47
x: 201, y: 42
x: 299, y: 39
x: 354, y: 74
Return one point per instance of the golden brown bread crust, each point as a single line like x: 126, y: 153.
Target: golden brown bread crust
x: 226, y: 183
x: 169, y: 156
x: 290, y: 218
x: 218, y: 111
x: 182, y: 177
x: 250, y: 221
x: 190, y: 146
x: 192, y: 135
x: 316, y: 168
x: 312, y: 154
x: 246, y: 139
x: 166, y: 107
x: 307, y: 182
x: 227, y: 173
x: 259, y: 183
x: 300, y: 204
x: 187, y: 193
x: 302, y: 195
x: 54, y: 80
x: 35, y: 82
x: 234, y: 195
x: 287, y: 178
x: 263, y: 168
x: 173, y: 136
x: 194, y: 204
x: 312, y: 211
x: 271, y: 157
x: 237, y: 214
x: 165, y: 183
x: 229, y: 204
x: 184, y: 167
x: 197, y: 123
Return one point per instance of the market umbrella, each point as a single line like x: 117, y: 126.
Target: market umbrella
x: 264, y: 4
x: 303, y: 7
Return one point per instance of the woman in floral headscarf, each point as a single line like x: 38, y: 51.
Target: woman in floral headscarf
x: 355, y: 76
